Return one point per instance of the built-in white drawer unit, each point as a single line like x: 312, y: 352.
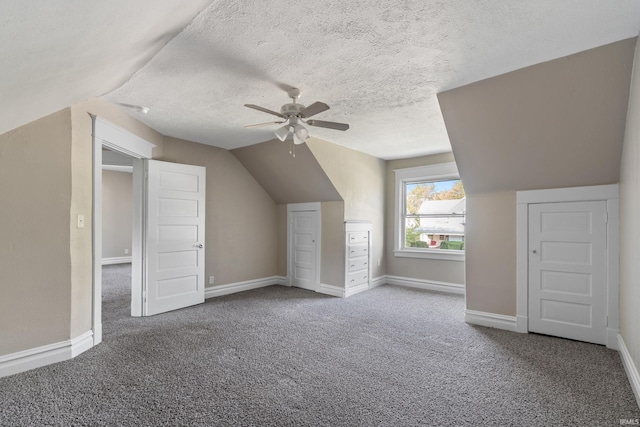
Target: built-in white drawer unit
x: 358, y: 264
x: 358, y: 236
x: 354, y: 251
x: 357, y: 254
x: 358, y: 278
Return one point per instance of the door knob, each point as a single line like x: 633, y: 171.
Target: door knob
x: 535, y: 251
x: 200, y: 245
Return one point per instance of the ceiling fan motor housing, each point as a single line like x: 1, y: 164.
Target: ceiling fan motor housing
x: 291, y: 109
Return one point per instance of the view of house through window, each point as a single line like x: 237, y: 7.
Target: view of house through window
x: 434, y: 213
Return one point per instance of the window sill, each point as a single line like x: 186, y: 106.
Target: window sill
x: 430, y: 254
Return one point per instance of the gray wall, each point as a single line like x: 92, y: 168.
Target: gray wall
x: 416, y: 268
x: 241, y: 219
x: 552, y: 125
x: 360, y: 180
x: 287, y: 179
x: 35, y: 258
x: 117, y: 213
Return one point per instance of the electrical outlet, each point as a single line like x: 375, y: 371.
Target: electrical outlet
x: 126, y: 251
x: 80, y: 221
x: 211, y: 280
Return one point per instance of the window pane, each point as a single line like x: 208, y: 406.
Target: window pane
x: 437, y: 209
x: 441, y: 232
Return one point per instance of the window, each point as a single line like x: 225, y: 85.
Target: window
x: 430, y: 212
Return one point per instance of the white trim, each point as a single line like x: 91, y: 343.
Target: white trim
x: 522, y: 324
x: 378, y: 281
x: 569, y: 194
x: 119, y: 140
x: 339, y: 292
x: 430, y: 285
x: 45, y: 355
x: 305, y: 207
x: 332, y: 290
x: 613, y: 272
x: 81, y: 343
x: 608, y: 193
x: 442, y: 254
x: 522, y: 267
x: 435, y: 172
x: 612, y: 339
x: 116, y: 260
x: 356, y: 289
x: 491, y: 320
x: 117, y: 168
x: 630, y: 368
x: 232, y: 288
x: 358, y: 226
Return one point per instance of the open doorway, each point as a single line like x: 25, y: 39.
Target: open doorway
x: 117, y: 140
x: 168, y: 223
x: 117, y: 234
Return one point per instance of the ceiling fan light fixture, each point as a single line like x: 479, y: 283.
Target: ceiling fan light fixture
x: 301, y: 132
x: 281, y: 133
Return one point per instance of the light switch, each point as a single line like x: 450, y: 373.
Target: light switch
x: 80, y: 221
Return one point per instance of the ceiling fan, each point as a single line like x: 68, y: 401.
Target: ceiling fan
x: 293, y: 115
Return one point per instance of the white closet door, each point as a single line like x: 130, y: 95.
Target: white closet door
x: 567, y: 270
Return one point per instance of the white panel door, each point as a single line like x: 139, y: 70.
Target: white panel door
x: 567, y: 270
x: 174, y: 243
x: 303, y: 241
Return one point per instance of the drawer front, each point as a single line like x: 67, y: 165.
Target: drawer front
x: 358, y: 264
x: 358, y: 251
x: 358, y: 278
x: 358, y: 237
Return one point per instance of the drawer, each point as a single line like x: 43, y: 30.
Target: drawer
x: 357, y: 251
x: 358, y: 237
x: 358, y: 278
x: 358, y: 264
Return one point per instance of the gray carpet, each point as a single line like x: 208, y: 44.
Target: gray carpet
x: 280, y: 356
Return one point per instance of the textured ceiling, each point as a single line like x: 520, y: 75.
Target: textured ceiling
x: 54, y: 54
x: 379, y: 65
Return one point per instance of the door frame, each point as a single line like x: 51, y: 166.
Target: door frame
x: 304, y: 207
x: 108, y: 135
x: 606, y: 193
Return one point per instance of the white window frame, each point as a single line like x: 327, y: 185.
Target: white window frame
x: 438, y: 172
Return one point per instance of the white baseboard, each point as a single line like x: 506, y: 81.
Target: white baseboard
x: 356, y: 289
x: 630, y: 368
x: 332, y: 290
x: 46, y: 355
x: 232, y: 288
x: 377, y: 281
x: 491, y: 320
x: 431, y: 285
x: 116, y: 260
x: 339, y: 292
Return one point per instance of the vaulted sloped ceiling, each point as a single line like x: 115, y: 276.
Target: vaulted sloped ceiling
x: 555, y: 124
x: 58, y: 53
x: 379, y: 65
x: 287, y: 179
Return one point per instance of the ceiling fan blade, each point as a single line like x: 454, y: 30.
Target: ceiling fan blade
x: 264, y: 110
x: 329, y: 125
x: 313, y: 109
x: 263, y: 124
